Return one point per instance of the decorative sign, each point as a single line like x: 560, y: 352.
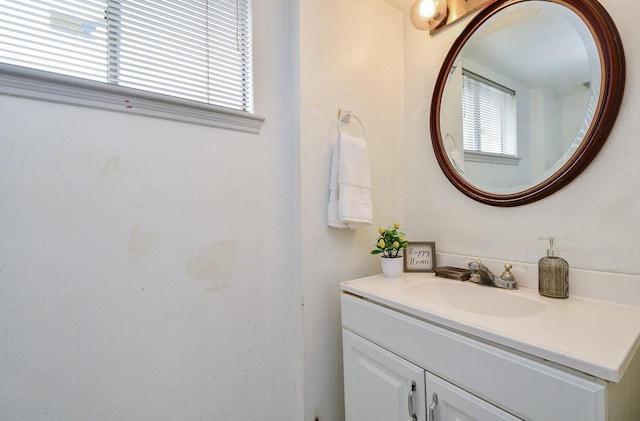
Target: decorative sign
x: 420, y: 257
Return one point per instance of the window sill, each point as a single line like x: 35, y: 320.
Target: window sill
x: 28, y: 83
x: 491, y: 158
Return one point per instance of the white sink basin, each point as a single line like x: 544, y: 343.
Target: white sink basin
x: 475, y: 298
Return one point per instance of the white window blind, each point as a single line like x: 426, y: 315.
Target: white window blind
x: 196, y: 50
x: 489, y: 116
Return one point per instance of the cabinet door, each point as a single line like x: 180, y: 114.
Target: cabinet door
x: 446, y: 402
x: 379, y: 385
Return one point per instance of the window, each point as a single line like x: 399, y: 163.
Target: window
x: 183, y: 53
x: 489, y: 116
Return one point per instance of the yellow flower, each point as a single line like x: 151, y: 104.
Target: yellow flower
x: 401, y: 238
x: 396, y: 244
x: 381, y: 244
x: 396, y: 225
x: 381, y: 230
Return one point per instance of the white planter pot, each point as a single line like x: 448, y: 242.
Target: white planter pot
x: 392, y: 266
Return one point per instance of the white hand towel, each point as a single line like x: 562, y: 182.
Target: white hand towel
x: 350, y: 186
x: 333, y: 217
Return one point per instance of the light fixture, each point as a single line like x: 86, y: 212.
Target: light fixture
x: 428, y: 14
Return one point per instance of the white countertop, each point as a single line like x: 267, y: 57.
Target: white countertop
x: 596, y: 337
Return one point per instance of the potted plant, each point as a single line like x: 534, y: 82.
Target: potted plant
x: 389, y: 244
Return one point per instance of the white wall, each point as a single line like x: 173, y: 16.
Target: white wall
x: 351, y: 58
x: 594, y: 218
x: 158, y: 270
x: 144, y: 264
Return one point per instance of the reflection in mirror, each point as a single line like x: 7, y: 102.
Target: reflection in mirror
x: 552, y: 81
x: 526, y: 97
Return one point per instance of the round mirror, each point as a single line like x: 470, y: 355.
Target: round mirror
x: 526, y: 97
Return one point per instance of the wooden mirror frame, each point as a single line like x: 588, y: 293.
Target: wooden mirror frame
x: 607, y: 40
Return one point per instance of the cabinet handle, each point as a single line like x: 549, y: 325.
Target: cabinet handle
x: 412, y: 413
x: 432, y: 407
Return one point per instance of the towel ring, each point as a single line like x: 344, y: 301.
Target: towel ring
x: 448, y: 135
x: 345, y: 117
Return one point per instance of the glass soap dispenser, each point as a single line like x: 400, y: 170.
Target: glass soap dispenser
x: 553, y: 273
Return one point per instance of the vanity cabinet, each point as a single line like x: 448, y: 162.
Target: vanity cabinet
x: 387, y: 351
x: 450, y: 403
x: 380, y: 386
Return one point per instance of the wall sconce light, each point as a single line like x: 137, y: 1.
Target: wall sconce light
x: 427, y: 15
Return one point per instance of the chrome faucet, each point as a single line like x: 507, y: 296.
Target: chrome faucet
x: 480, y: 274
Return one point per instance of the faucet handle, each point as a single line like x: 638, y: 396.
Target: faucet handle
x: 507, y: 275
x: 508, y: 278
x: 475, y: 264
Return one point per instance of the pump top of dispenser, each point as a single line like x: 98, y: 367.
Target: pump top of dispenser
x: 551, y: 251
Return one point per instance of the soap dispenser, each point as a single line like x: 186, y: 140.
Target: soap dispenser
x: 553, y: 273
